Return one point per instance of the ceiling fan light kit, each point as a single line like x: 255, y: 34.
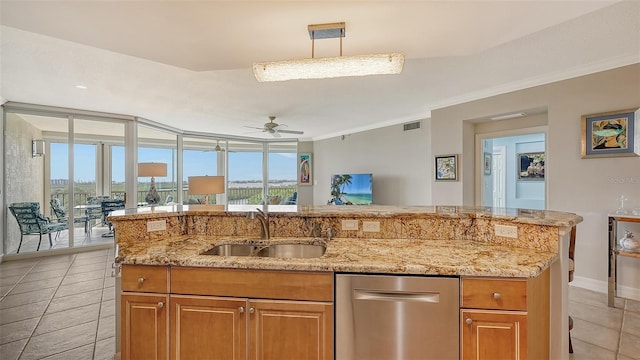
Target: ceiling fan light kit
x: 321, y: 68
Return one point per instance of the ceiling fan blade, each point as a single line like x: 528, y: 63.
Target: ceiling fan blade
x: 275, y: 134
x: 291, y: 132
x: 253, y: 127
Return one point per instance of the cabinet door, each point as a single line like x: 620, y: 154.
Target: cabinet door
x: 493, y: 335
x: 208, y: 328
x: 291, y: 330
x: 144, y: 326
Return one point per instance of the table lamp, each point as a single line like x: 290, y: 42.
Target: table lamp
x: 152, y: 170
x: 205, y: 185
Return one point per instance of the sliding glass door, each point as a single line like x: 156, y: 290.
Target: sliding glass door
x: 57, y: 165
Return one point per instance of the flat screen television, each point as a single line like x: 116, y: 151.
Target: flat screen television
x: 352, y: 189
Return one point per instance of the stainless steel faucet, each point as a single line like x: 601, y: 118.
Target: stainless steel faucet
x: 264, y: 221
x: 329, y: 231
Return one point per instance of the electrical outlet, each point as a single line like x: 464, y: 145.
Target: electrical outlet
x: 350, y: 225
x: 506, y: 231
x: 159, y: 225
x: 371, y: 226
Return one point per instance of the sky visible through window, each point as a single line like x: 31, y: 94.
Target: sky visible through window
x: 242, y: 165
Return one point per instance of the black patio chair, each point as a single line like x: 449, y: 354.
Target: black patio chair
x: 32, y: 222
x: 62, y: 216
x: 107, y: 207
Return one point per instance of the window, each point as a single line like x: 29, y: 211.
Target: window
x: 282, y: 182
x: 245, y: 183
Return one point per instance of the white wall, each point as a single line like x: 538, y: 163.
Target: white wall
x: 588, y: 187
x: 26, y: 171
x: 399, y: 160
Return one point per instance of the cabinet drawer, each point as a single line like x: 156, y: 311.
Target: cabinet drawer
x: 145, y: 278
x: 266, y: 284
x: 501, y: 294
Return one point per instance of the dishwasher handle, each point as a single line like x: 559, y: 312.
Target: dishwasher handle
x: 380, y: 295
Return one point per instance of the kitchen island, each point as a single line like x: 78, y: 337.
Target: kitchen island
x: 435, y: 241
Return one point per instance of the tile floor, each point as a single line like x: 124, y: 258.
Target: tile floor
x: 63, y: 307
x: 58, y: 307
x: 30, y: 242
x: 601, y: 332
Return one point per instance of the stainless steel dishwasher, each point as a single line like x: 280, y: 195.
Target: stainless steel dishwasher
x: 396, y: 317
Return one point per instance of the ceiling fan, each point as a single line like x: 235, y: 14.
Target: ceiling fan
x: 275, y: 129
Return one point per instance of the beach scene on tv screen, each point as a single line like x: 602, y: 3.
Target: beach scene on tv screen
x: 351, y: 189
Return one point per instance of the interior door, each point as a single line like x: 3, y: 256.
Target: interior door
x: 504, y: 183
x: 499, y: 178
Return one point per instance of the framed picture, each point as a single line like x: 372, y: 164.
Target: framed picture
x: 611, y: 134
x: 487, y: 163
x: 531, y: 166
x: 446, y: 167
x: 304, y: 169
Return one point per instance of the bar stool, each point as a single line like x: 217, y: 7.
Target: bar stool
x: 572, y: 248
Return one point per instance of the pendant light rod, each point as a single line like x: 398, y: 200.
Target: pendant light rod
x: 326, y: 31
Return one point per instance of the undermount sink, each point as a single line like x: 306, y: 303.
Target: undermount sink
x: 306, y: 251
x: 234, y: 250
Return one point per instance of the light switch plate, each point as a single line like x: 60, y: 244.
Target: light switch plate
x: 350, y: 225
x: 506, y: 231
x: 371, y: 226
x: 158, y: 225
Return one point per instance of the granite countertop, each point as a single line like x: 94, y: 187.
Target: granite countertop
x: 523, y: 216
x: 383, y: 256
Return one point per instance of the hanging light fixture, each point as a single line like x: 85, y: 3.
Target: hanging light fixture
x: 320, y: 68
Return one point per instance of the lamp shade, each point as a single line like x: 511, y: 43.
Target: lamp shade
x: 204, y: 185
x: 152, y: 169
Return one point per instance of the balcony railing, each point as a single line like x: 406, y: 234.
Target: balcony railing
x: 240, y: 195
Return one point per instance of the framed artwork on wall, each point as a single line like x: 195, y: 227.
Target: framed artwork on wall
x: 487, y: 163
x: 305, y: 175
x: 531, y: 166
x: 611, y: 134
x: 446, y: 167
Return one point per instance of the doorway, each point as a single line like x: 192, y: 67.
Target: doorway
x: 513, y: 173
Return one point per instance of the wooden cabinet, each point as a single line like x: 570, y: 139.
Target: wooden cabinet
x: 205, y: 327
x: 203, y: 313
x: 144, y: 312
x: 144, y: 326
x: 255, y: 314
x: 494, y: 335
x: 505, y: 318
x: 145, y: 278
x: 290, y: 330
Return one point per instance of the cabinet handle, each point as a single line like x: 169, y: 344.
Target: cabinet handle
x: 496, y: 295
x: 140, y: 280
x: 469, y: 321
x: 251, y: 310
x: 160, y: 304
x: 241, y: 309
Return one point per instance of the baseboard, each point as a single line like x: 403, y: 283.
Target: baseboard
x: 602, y: 287
x: 53, y: 252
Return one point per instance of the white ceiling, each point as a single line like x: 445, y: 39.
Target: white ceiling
x: 188, y: 64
